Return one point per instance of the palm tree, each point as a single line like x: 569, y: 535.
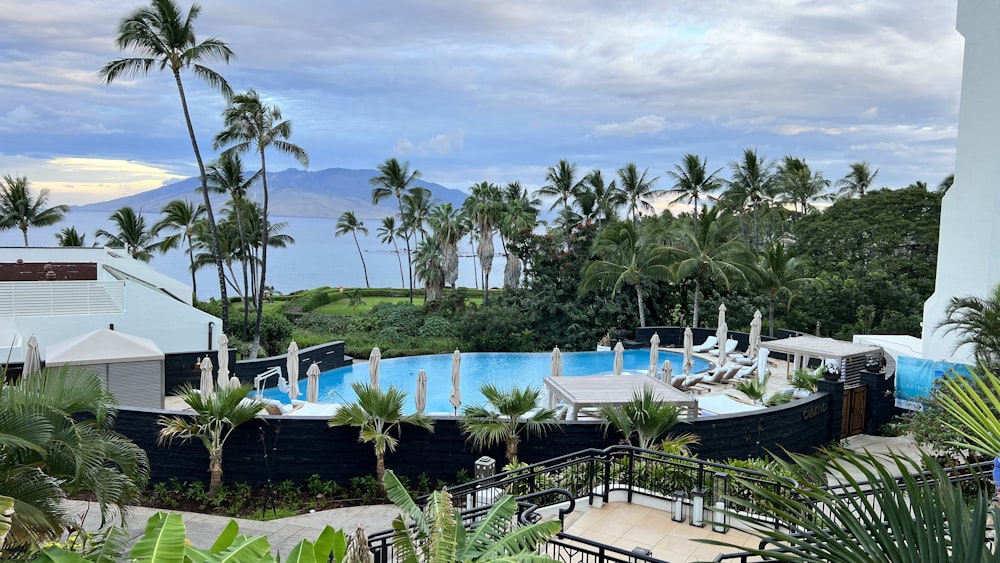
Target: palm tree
x: 643, y: 416
x: 626, y: 254
x: 449, y: 226
x: 484, y: 208
x: 506, y: 415
x: 709, y: 250
x: 70, y: 237
x: 780, y: 275
x: 416, y: 209
x: 562, y: 184
x: 436, y: 532
x: 858, y: 180
x: 387, y: 235
x: 349, y: 223
x: 427, y: 267
x: 251, y: 124
x: 800, y: 186
x: 519, y: 217
x: 945, y: 184
x: 56, y: 439
x: 19, y: 209
x: 976, y: 321
x: 395, y: 179
x: 377, y: 415
x: 165, y: 39
x: 637, y: 190
x: 602, y: 200
x: 182, y: 216
x: 131, y: 234
x: 692, y: 181
x: 216, y: 416
x: 752, y: 186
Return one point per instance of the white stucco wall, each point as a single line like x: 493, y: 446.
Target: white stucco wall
x: 968, y: 249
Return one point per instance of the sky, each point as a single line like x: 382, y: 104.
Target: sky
x: 476, y: 91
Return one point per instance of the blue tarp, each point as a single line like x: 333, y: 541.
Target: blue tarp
x: 915, y: 379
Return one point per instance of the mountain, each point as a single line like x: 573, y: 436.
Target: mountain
x: 293, y: 193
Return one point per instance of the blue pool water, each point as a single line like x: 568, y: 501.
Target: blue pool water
x: 505, y: 370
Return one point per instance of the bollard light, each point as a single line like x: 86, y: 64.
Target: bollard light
x: 678, y: 506
x: 720, y: 487
x: 698, y: 507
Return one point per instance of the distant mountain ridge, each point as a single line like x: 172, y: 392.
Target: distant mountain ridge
x: 293, y: 193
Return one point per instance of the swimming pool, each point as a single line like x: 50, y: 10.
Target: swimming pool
x: 505, y: 370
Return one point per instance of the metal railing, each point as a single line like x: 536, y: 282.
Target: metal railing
x: 54, y: 298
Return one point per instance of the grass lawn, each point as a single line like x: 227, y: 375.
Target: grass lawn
x: 343, y: 306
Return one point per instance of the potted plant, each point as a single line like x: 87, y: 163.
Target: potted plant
x: 831, y: 372
x: 804, y: 382
x: 874, y: 363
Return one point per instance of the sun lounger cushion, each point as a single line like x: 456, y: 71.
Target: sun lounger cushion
x: 707, y: 345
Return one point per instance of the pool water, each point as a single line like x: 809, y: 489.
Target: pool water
x: 505, y: 370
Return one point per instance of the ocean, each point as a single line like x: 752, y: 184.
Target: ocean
x: 317, y: 258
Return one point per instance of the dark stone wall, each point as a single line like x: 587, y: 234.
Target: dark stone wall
x: 881, y: 404
x: 295, y: 448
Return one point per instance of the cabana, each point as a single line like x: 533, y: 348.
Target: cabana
x: 579, y: 392
x: 850, y: 358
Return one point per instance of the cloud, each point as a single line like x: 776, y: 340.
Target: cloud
x: 443, y: 144
x: 640, y: 125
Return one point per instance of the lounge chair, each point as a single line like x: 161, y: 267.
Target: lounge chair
x: 730, y: 348
x: 742, y: 373
x: 707, y: 345
x: 678, y: 381
x: 720, y: 375
x: 742, y: 359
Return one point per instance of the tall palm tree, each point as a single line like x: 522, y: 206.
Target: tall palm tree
x: 387, y: 235
x: 692, y: 181
x: 20, y: 209
x: 164, y: 38
x: 449, y: 225
x: 627, y: 254
x: 349, y: 223
x: 976, y: 322
x: 181, y: 216
x: 602, y: 200
x: 780, y: 274
x: 378, y: 415
x: 800, y: 186
x: 709, y: 249
x: 519, y: 217
x: 858, y: 180
x: 506, y: 414
x: 130, y: 232
x: 484, y: 208
x: 427, y: 266
x: 562, y: 184
x: 216, y: 416
x: 417, y: 205
x: 70, y: 237
x: 945, y: 184
x: 395, y: 179
x: 752, y: 185
x: 250, y: 124
x: 637, y: 189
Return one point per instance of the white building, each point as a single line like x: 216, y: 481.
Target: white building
x: 60, y: 293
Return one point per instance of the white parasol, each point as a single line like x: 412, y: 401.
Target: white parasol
x: 762, y: 363
x: 373, y: 361
x: 722, y: 333
x: 555, y: 366
x: 754, y: 335
x: 668, y: 370
x: 688, y: 352
x: 206, y: 387
x: 456, y: 381
x: 420, y: 394
x: 223, y: 376
x: 619, y: 358
x: 32, y: 357
x: 654, y: 354
x: 292, y: 366
x: 312, y: 388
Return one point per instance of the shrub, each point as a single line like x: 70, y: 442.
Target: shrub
x: 309, y: 300
x: 405, y: 318
x: 275, y: 330
x: 437, y: 327
x: 364, y: 323
x: 318, y: 322
x: 497, y: 328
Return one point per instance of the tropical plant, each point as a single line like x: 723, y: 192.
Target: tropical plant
x: 518, y: 219
x: 181, y: 216
x: 755, y: 388
x: 506, y: 414
x: 946, y: 184
x: 971, y: 403
x: 130, y: 232
x: 164, y: 38
x: 378, y: 415
x: 858, y: 180
x: 20, y: 209
x: 349, y: 223
x: 562, y: 184
x: 692, y: 180
x: 598, y: 201
x: 387, y: 233
x: 976, y: 322
x: 417, y: 205
x: 436, y: 533
x: 800, y: 186
x: 69, y: 236
x: 805, y: 379
x: 395, y: 179
x: 216, y: 416
x: 449, y: 226
x: 637, y: 190
x: 627, y: 254
x: 484, y: 208
x: 779, y: 273
x: 752, y: 186
x: 427, y: 266
x: 644, y: 417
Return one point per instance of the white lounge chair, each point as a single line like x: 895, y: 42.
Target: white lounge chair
x: 730, y: 348
x: 742, y: 359
x: 721, y: 374
x: 707, y: 345
x: 743, y: 373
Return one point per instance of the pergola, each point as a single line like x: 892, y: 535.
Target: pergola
x: 850, y: 358
x: 579, y: 392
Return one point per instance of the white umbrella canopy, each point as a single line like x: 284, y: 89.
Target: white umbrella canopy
x: 456, y: 381
x: 312, y: 388
x: 555, y: 366
x: 619, y: 358
x: 292, y: 365
x: 234, y: 382
x: 654, y: 354
x: 754, y: 335
x: 32, y: 357
x: 373, y: 361
x: 688, y: 351
x: 762, y: 363
x: 223, y: 376
x: 420, y: 394
x: 668, y: 370
x: 207, y: 386
x: 357, y: 548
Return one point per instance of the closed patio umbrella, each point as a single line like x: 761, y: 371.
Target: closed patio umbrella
x: 373, y: 361
x: 654, y: 354
x: 206, y: 386
x: 668, y: 371
x: 292, y: 365
x: 420, y: 394
x: 722, y: 333
x: 619, y: 358
x: 762, y: 363
x: 456, y: 381
x: 688, y: 352
x: 223, y: 376
x: 357, y: 548
x: 555, y: 366
x: 312, y: 388
x: 754, y: 335
x: 32, y: 357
